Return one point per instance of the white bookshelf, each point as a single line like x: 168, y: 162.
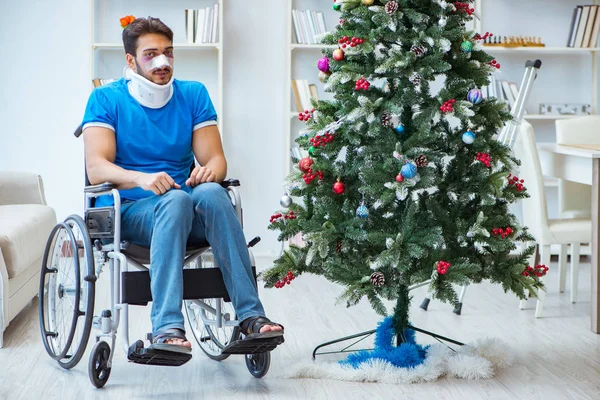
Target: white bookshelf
x: 539, y: 50
x: 201, y: 62
x: 544, y: 117
x: 294, y: 46
x: 555, y: 53
x: 301, y: 64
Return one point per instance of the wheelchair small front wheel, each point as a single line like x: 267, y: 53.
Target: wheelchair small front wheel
x: 258, y: 364
x: 98, y: 369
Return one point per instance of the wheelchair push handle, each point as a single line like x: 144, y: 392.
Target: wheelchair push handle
x: 254, y: 241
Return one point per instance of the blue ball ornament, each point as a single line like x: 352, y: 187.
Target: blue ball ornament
x: 466, y: 46
x: 400, y: 128
x: 468, y: 137
x: 409, y: 170
x: 362, y: 211
x: 475, y: 96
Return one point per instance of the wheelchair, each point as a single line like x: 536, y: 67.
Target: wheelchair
x: 77, y: 252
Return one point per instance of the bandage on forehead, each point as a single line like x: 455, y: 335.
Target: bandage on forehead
x: 161, y: 61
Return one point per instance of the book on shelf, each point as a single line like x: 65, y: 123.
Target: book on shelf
x: 587, y: 34
x: 585, y: 26
x: 215, y: 22
x: 202, y: 24
x: 308, y: 24
x: 189, y: 25
x: 102, y: 81
x: 574, y: 25
x: 595, y: 30
x: 207, y: 19
x: 303, y: 93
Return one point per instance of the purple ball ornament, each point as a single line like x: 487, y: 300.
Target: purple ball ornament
x: 323, y: 64
x: 475, y: 96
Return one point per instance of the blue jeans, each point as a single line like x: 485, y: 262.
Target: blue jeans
x: 168, y: 223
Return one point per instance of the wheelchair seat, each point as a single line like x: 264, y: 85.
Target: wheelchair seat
x: 141, y: 254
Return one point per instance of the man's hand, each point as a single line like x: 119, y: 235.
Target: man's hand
x: 200, y: 175
x: 159, y: 183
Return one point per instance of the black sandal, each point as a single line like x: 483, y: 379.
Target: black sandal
x: 251, y: 327
x: 158, y: 341
x: 159, y: 352
x: 255, y: 342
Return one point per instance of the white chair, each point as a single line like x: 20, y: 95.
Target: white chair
x: 575, y: 199
x: 547, y: 232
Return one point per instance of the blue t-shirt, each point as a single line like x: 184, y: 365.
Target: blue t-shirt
x: 151, y: 140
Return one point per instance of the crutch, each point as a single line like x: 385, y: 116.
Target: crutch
x: 508, y: 134
x: 457, y: 309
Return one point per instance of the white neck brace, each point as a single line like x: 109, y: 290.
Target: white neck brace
x: 147, y: 93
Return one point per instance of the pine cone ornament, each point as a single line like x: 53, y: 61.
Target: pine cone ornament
x: 391, y: 7
x: 418, y: 50
x: 415, y: 79
x: 386, y: 119
x: 421, y: 161
x: 377, y: 279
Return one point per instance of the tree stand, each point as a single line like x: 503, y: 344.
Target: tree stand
x: 400, y: 323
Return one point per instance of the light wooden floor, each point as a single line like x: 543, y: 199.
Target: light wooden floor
x: 557, y: 357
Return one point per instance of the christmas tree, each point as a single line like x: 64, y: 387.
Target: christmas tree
x: 403, y: 183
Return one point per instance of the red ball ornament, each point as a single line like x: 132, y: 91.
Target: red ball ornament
x: 338, y: 54
x: 338, y: 187
x: 399, y: 178
x: 305, y: 164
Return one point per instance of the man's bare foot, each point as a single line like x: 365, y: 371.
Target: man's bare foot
x: 179, y: 342
x: 172, y: 336
x: 271, y: 328
x: 249, y: 325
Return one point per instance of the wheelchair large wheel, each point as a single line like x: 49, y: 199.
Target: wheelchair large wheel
x: 201, y: 316
x: 67, y: 292
x: 258, y: 364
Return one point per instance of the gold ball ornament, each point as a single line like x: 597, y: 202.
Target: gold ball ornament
x: 338, y: 54
x: 323, y: 76
x: 368, y: 2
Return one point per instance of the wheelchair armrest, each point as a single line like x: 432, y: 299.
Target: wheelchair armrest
x: 103, y: 187
x: 230, y: 182
x: 108, y: 186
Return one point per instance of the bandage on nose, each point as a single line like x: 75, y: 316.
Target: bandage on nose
x: 157, y: 62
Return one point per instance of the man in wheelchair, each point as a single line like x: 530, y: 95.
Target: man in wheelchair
x: 141, y: 134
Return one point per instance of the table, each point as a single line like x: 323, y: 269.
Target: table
x: 579, y: 163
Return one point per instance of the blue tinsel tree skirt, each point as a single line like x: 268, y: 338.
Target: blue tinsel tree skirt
x: 410, y: 362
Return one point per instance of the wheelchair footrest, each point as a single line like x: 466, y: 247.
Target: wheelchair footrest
x: 149, y: 356
x: 253, y: 346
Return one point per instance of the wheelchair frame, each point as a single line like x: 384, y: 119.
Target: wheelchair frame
x: 110, y: 320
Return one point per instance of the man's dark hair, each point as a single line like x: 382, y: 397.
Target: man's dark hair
x: 142, y: 26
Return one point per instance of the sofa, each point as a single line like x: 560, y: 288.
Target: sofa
x: 25, y: 224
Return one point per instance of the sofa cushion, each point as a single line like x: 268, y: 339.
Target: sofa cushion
x: 24, y: 230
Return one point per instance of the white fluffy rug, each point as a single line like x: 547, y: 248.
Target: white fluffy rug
x: 477, y: 361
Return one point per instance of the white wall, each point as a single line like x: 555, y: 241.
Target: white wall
x: 45, y: 75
